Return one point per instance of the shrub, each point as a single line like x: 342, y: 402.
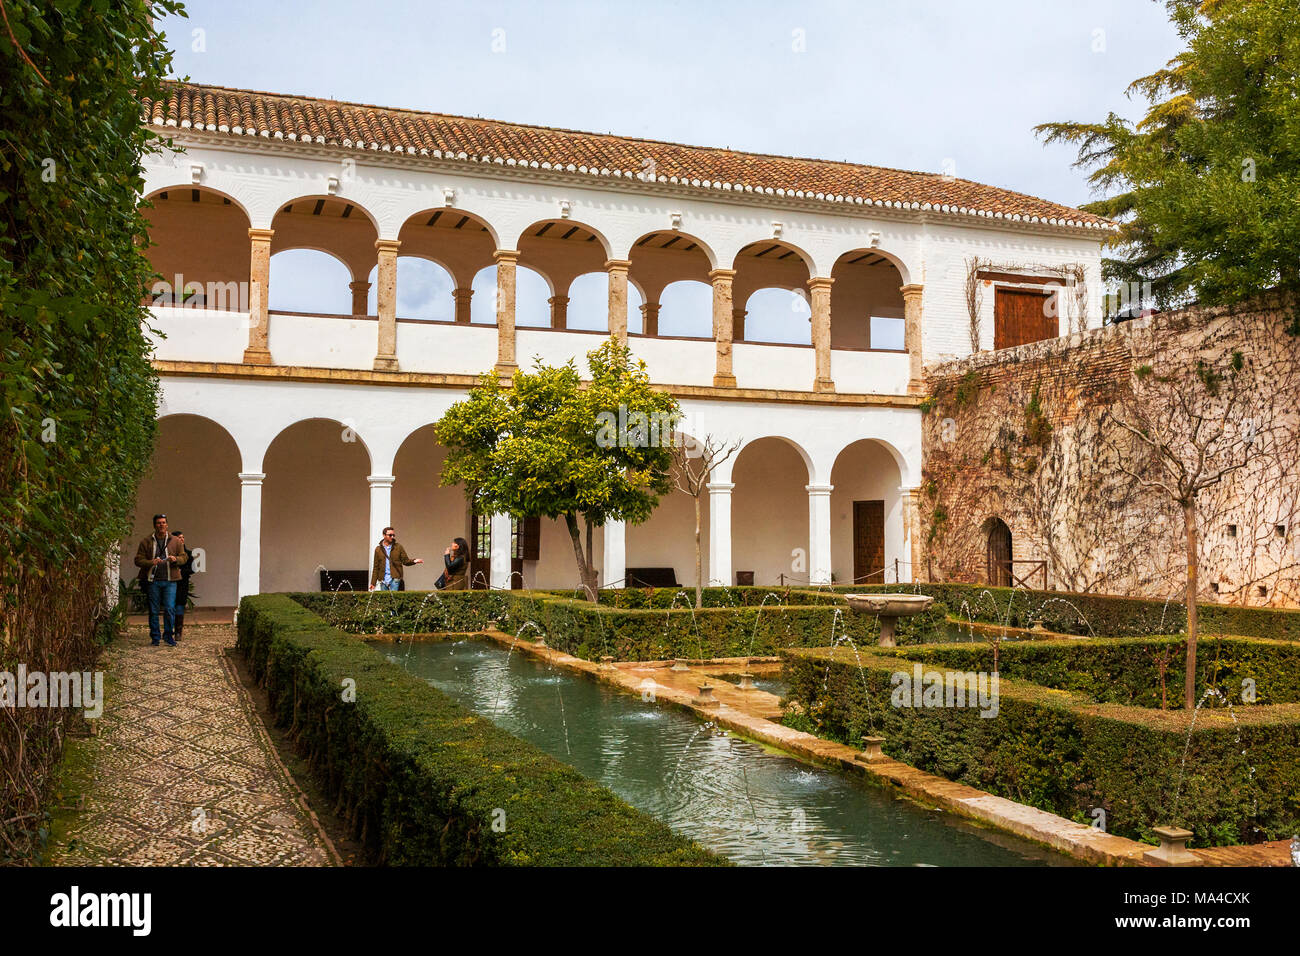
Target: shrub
x: 1066, y: 754
x: 419, y: 778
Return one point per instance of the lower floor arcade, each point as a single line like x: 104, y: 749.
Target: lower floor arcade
x: 275, y: 481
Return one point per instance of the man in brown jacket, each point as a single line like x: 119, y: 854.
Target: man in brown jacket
x: 390, y: 559
x: 159, y: 558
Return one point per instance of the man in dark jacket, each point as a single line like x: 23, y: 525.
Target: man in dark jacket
x: 159, y: 557
x: 183, y: 585
x: 390, y: 560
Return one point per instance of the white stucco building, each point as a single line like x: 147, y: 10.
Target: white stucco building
x: 288, y: 439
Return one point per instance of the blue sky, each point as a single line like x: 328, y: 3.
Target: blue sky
x: 939, y: 85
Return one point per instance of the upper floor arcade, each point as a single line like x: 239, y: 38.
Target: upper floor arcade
x: 283, y: 240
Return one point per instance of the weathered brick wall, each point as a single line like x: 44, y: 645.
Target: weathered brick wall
x: 1028, y: 435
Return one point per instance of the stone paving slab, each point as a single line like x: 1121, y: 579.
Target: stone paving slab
x: 184, y: 772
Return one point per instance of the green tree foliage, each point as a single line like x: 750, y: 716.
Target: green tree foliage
x: 549, y: 446
x: 77, y: 394
x: 1205, y: 184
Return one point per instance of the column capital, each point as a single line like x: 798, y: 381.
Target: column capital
x: 388, y: 245
x: 912, y: 289
x: 380, y: 481
x: 462, y: 293
x: 558, y: 300
x: 617, y: 265
x: 505, y: 255
x: 820, y: 282
x: 720, y: 487
x: 360, y: 285
x: 261, y: 235
x: 819, y: 489
x: 716, y: 275
x: 252, y: 477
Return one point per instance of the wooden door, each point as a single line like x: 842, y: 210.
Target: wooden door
x: 999, y: 554
x: 868, y: 542
x: 1023, y: 315
x: 480, y: 546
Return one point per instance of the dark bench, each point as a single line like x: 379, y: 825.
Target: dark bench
x: 344, y: 580
x: 651, y: 578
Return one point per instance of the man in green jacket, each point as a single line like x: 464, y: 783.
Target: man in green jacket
x: 390, y: 559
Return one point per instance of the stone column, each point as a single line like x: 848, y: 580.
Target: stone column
x: 650, y: 318
x: 381, y: 511
x: 722, y: 317
x: 914, y: 568
x: 559, y: 311
x: 250, y: 532
x: 738, y: 324
x: 386, y: 303
x: 720, y: 533
x: 360, y: 297
x: 506, y: 260
x: 819, y: 533
x: 616, y: 269
x: 462, y: 297
x: 259, y: 319
x: 819, y: 290
x: 500, y: 573
x: 614, y: 555
x: 912, y: 336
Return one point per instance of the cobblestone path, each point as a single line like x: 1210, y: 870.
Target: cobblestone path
x: 183, y: 771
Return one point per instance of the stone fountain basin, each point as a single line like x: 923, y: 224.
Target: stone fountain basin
x: 890, y: 605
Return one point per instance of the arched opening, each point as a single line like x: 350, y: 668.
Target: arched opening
x: 686, y: 309
x: 667, y: 538
x: 778, y: 315
x: 194, y: 481
x: 998, y: 554
x: 866, y: 302
x: 781, y: 313
x: 315, y: 505
x: 531, y: 294
x: 458, y: 241
x: 425, y: 515
x: 424, y: 290
x: 562, y: 250
x: 769, y: 513
x: 588, y: 309
x: 309, y: 281
x: 866, y: 516
x: 199, y: 245
x: 330, y: 225
x: 671, y: 260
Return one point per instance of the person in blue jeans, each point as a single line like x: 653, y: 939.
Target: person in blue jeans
x: 159, y: 557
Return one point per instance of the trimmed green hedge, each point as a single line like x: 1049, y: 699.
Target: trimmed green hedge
x: 1065, y: 754
x: 590, y: 630
x: 1100, y: 615
x: 420, y: 778
x: 1125, y: 670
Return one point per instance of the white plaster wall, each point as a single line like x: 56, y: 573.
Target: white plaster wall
x: 445, y: 348
x: 426, y: 517
x: 193, y: 480
x: 198, y: 335
x: 677, y: 362
x: 774, y: 366
x: 323, y: 341
x: 870, y: 372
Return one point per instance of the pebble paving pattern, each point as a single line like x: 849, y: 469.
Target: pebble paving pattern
x: 184, y: 771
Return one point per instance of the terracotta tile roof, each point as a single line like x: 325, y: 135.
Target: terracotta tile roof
x: 242, y: 113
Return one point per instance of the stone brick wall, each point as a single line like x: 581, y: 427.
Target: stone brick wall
x: 1032, y: 436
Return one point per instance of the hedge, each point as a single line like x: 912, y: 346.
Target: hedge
x: 1096, y: 615
x: 419, y: 778
x: 1126, y: 670
x: 591, y: 631
x: 1063, y: 753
